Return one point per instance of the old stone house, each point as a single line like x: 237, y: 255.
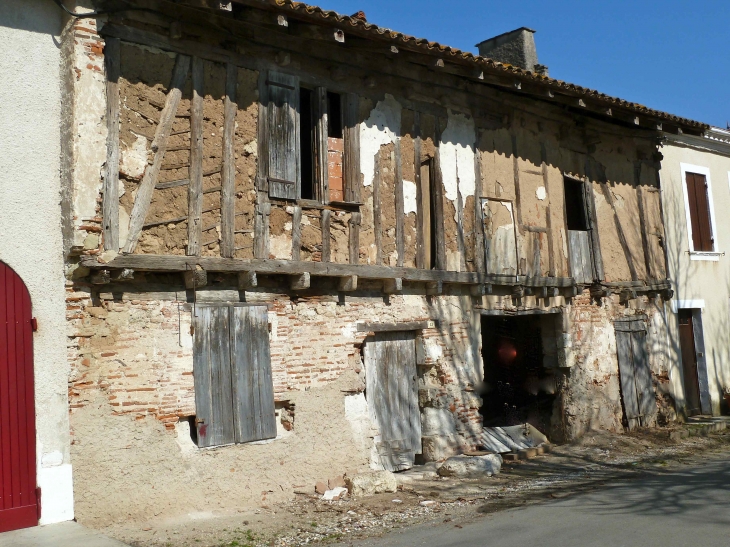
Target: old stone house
x: 301, y: 245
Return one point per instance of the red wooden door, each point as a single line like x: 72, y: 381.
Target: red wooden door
x: 18, y: 494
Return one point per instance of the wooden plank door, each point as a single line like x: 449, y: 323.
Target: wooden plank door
x: 212, y: 376
x: 689, y: 363
x: 19, y: 497
x: 629, y: 392
x: 390, y: 369
x: 253, y: 387
x: 637, y: 388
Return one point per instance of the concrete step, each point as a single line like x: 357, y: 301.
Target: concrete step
x: 63, y: 534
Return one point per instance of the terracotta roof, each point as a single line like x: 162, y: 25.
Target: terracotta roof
x: 496, y: 67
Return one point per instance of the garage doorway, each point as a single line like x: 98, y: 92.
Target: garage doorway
x: 520, y: 364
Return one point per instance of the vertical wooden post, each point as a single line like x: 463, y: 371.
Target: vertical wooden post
x: 321, y: 132
x: 195, y: 187
x: 460, y: 223
x: 438, y: 210
x: 516, y: 174
x: 420, y: 251
x: 548, y: 216
x: 479, y: 255
x: 351, y: 158
x: 159, y: 147
x: 377, y: 227
x: 326, y: 214
x: 261, y: 227
x: 354, y: 241
x: 228, y: 173
x: 399, y: 206
x: 110, y: 205
x: 296, y: 233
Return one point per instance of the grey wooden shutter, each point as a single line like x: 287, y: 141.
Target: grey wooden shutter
x: 351, y: 155
x: 634, y: 372
x: 253, y: 388
x: 626, y: 375
x: 390, y: 364
x: 212, y: 376
x: 642, y: 374
x: 284, y: 172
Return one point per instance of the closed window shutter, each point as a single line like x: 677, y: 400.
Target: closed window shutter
x: 699, y: 212
x: 284, y: 173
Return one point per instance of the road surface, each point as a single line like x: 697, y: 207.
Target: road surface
x: 686, y: 507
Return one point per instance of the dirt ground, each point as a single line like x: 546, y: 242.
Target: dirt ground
x: 597, y: 458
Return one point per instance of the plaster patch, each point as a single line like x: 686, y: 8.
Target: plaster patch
x: 280, y: 246
x: 541, y: 193
x: 356, y: 412
x: 251, y: 149
x: 58, y: 499
x: 133, y: 159
x: 52, y: 459
x: 381, y: 128
x: 457, y: 157
x: 409, y: 197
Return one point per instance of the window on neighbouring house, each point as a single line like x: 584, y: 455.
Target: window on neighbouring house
x: 699, y: 212
x: 575, y: 209
x: 234, y: 391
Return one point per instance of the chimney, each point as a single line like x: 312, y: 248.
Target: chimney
x: 516, y: 48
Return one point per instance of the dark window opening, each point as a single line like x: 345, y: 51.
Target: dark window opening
x: 334, y: 114
x: 575, y: 209
x: 699, y: 212
x: 429, y: 215
x: 520, y: 361
x: 306, y: 143
x: 193, y: 429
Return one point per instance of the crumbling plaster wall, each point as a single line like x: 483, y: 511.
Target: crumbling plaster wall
x: 131, y: 354
x: 31, y: 243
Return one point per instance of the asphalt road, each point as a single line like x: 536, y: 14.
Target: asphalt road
x: 689, y: 507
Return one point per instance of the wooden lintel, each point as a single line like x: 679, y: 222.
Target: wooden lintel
x: 247, y: 280
x: 396, y: 327
x: 393, y: 285
x: 347, y: 284
x: 300, y: 282
x: 179, y: 263
x: 435, y: 287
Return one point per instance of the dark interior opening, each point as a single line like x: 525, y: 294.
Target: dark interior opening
x: 518, y: 387
x: 575, y: 210
x: 334, y: 116
x: 193, y: 429
x: 306, y: 141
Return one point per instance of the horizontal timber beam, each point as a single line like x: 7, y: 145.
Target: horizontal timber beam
x: 170, y: 263
x: 396, y: 327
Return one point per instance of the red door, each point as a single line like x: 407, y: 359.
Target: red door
x: 18, y: 495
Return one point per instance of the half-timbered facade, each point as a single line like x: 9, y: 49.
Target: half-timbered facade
x: 312, y: 246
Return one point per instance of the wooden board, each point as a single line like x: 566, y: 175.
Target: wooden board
x: 253, y: 388
x: 284, y: 173
x: 195, y: 188
x: 499, y: 232
x: 392, y: 391
x: 110, y: 204
x: 212, y: 376
x: 228, y: 171
x: 579, y: 248
x: 626, y: 376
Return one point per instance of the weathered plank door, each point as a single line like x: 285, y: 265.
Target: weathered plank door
x: 500, y: 243
x: 581, y: 262
x: 234, y: 394
x: 392, y: 392
x: 18, y: 494
x: 284, y: 170
x: 634, y: 373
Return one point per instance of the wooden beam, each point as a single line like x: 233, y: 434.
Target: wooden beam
x: 228, y: 173
x: 195, y: 188
x: 110, y: 204
x: 548, y: 216
x: 247, y: 280
x: 396, y: 327
x: 326, y: 214
x: 479, y: 254
x: 351, y: 156
x: 347, y: 284
x: 393, y: 285
x: 261, y: 226
x: 195, y: 278
x: 159, y: 146
x: 438, y: 210
x: 377, y: 226
x: 354, y: 237
x: 420, y: 250
x: 321, y: 128
x: 101, y: 277
x: 296, y: 233
x: 435, y: 287
x: 399, y: 205
x: 300, y: 281
x: 177, y: 263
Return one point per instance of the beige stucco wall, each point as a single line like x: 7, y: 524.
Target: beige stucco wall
x: 30, y: 222
x: 698, y: 281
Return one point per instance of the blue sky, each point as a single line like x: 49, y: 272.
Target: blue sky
x: 669, y: 55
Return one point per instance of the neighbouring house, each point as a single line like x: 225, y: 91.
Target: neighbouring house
x: 34, y: 421
x: 298, y: 245
x: 695, y: 182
